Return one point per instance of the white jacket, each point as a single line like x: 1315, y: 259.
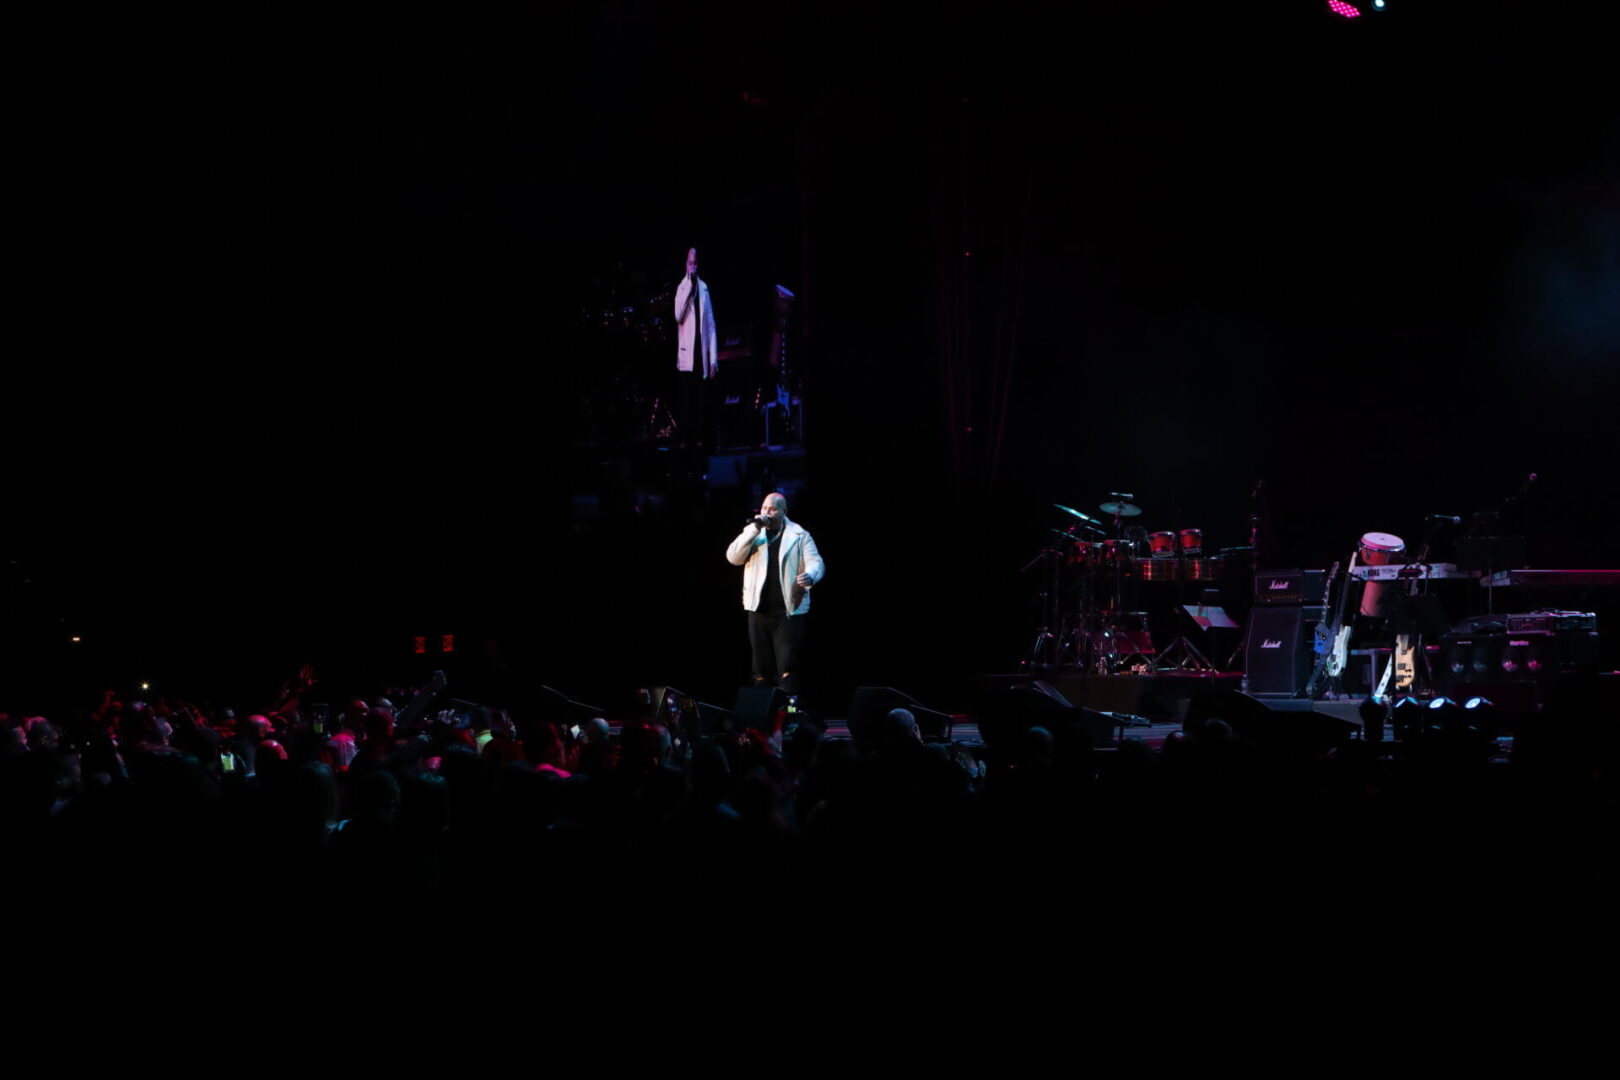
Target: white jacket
x: 686, y: 331
x: 798, y: 555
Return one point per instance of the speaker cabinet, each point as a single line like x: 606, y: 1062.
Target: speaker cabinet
x: 1278, y: 657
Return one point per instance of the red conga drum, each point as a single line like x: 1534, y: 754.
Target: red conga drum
x: 1378, y: 549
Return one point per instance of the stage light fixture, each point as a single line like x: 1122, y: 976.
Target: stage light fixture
x: 1346, y: 10
x: 1474, y: 704
x: 1441, y: 711
x: 1373, y: 713
x: 1404, y: 717
x: 1448, y: 718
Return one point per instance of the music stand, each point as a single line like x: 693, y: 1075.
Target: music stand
x: 1183, y: 652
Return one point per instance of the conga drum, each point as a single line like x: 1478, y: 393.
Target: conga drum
x: 1378, y: 549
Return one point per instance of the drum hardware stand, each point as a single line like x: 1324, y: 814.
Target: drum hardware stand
x: 1063, y: 640
x: 1043, y: 654
x: 669, y: 427
x: 1113, y: 660
x: 1071, y: 643
x: 1183, y: 655
x: 1045, y: 651
x: 1096, y: 654
x: 1032, y: 660
x: 1125, y: 667
x: 1120, y: 507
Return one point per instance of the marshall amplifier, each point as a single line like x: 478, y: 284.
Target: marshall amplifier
x: 1278, y: 658
x: 1283, y: 588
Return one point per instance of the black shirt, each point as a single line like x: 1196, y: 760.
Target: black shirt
x: 771, y: 601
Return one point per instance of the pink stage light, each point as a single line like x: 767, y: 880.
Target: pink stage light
x: 1339, y: 7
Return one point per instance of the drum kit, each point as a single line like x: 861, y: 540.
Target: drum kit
x: 1109, y: 577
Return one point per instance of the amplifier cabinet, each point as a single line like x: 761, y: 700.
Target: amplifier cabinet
x: 1278, y: 657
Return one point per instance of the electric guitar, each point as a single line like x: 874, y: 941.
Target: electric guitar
x: 1322, y: 642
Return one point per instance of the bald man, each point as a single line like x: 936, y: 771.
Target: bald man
x: 697, y: 357
x: 780, y: 566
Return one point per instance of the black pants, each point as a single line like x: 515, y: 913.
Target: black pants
x: 692, y: 408
x: 775, y: 641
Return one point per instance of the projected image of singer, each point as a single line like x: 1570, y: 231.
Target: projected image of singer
x: 697, y: 358
x: 780, y: 566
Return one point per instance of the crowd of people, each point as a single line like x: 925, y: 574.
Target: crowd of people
x: 594, y: 841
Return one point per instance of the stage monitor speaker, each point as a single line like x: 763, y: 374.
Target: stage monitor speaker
x: 870, y: 703
x: 1037, y: 703
x: 553, y: 705
x: 684, y: 714
x: 1278, y: 658
x: 661, y: 701
x: 1288, y: 722
x: 756, y: 707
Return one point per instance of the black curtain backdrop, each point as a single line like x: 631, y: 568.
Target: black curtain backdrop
x: 307, y: 283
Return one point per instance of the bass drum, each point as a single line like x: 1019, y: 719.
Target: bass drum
x: 1378, y: 549
x: 1211, y: 569
x: 1112, y: 554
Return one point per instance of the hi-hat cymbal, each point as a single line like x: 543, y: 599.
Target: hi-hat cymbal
x: 1120, y: 509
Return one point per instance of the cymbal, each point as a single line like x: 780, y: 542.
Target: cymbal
x: 1119, y: 509
x: 1077, y: 513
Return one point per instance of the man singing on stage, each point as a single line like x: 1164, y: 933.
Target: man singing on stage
x: 780, y: 565
x: 697, y: 361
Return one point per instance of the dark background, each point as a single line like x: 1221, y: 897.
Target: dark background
x: 304, y: 346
